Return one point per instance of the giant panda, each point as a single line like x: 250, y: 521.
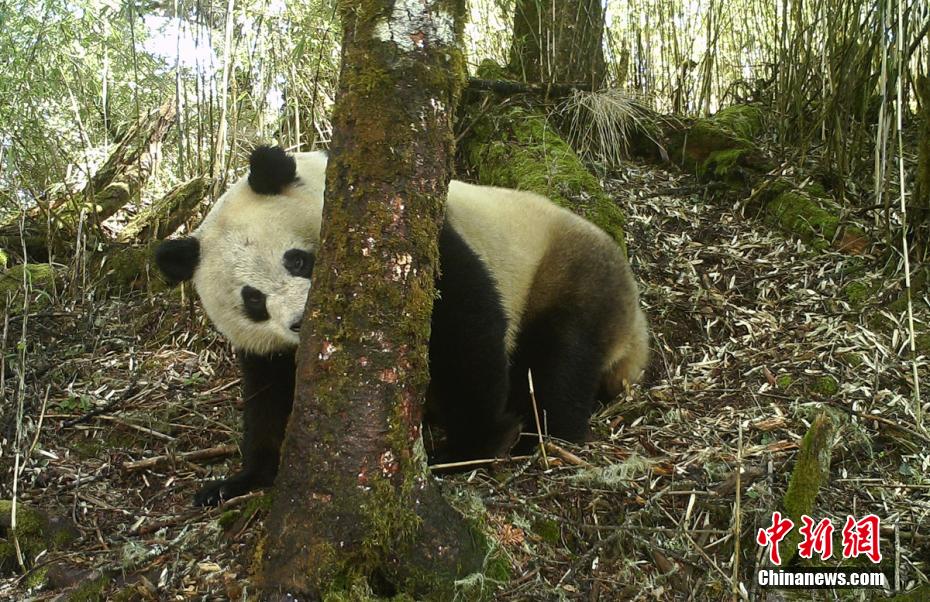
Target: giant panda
x: 523, y: 284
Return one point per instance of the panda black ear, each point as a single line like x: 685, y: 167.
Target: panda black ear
x: 178, y: 258
x: 271, y: 169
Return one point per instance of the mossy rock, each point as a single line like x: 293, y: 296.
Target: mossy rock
x: 802, y: 216
x: 515, y: 147
x: 825, y: 386
x: 858, y: 292
x: 816, y: 189
x: 35, y: 532
x: 815, y: 220
x: 722, y: 165
x: 743, y: 120
x: 38, y: 278
x: 692, y: 146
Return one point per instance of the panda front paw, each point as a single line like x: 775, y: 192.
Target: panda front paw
x: 216, y: 492
x: 211, y: 494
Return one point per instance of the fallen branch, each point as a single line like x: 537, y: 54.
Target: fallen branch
x: 129, y: 392
x: 506, y: 86
x: 200, y: 455
x: 166, y: 215
x: 564, y: 455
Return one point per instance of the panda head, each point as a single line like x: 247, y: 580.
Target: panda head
x: 252, y: 257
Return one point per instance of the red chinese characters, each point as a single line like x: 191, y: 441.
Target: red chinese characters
x: 817, y: 538
x: 861, y: 537
x: 773, y: 535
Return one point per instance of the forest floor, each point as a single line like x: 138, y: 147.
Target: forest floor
x: 752, y: 340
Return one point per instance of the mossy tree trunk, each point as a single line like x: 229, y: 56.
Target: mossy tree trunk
x: 355, y: 508
x: 128, y: 167
x: 557, y: 42
x: 164, y: 216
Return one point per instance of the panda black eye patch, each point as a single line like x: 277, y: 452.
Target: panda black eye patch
x: 254, y: 302
x: 298, y: 262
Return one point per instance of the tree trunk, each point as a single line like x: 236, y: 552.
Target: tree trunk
x: 355, y: 508
x: 51, y: 229
x: 558, y: 42
x: 164, y: 216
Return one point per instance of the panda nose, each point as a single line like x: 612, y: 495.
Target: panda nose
x: 296, y: 327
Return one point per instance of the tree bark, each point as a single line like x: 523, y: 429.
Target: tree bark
x: 355, y: 508
x: 559, y: 41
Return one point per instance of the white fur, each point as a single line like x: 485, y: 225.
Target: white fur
x: 243, y: 241
x: 510, y: 231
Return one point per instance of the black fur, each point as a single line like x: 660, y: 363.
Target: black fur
x: 566, y: 362
x: 254, y: 303
x: 178, y: 258
x: 298, y: 262
x: 268, y: 392
x: 271, y: 169
x: 469, y: 382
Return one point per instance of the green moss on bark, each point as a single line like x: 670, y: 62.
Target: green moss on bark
x: 165, y: 215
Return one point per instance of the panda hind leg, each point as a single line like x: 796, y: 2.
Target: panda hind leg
x: 565, y: 362
x: 468, y: 357
x: 468, y: 391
